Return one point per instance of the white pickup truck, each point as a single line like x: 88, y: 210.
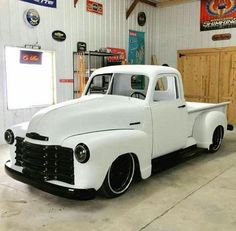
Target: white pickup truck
x: 127, y: 116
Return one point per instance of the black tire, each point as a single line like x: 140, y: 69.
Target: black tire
x: 119, y: 176
x: 216, y: 139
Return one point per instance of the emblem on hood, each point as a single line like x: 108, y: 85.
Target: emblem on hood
x: 36, y: 136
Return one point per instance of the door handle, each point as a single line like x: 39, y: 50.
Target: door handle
x: 182, y: 106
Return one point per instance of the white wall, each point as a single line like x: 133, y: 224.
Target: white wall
x: 179, y: 28
x: 97, y: 31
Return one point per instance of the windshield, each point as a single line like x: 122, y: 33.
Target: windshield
x: 128, y: 85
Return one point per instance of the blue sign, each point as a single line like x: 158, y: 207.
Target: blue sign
x: 32, y: 17
x: 47, y: 3
x: 136, y: 47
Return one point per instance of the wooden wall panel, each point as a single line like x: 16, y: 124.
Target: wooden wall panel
x: 227, y: 89
x: 200, y: 76
x: 209, y: 75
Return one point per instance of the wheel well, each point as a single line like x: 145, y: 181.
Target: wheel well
x: 222, y: 130
x: 137, y: 172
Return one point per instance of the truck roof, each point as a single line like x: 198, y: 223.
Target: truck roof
x: 147, y: 70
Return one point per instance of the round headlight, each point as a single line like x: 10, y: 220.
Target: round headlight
x: 9, y: 136
x: 82, y: 153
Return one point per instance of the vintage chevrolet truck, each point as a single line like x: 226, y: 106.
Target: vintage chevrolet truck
x: 127, y: 116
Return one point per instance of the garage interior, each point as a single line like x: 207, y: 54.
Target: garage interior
x: 194, y: 191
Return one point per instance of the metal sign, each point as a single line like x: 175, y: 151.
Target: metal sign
x: 141, y: 18
x: 47, y: 3
x: 219, y: 37
x: 30, y: 57
x: 94, y: 7
x: 32, y: 17
x: 81, y: 47
x: 58, y: 35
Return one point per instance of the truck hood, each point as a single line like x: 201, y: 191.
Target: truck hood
x: 85, y: 115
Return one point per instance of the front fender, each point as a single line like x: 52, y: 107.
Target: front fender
x: 104, y: 148
x: 20, y: 129
x: 205, y: 125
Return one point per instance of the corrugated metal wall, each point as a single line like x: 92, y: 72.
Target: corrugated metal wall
x: 179, y: 28
x: 97, y: 31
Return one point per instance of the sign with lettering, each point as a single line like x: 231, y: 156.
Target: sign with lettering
x: 94, y: 7
x: 217, y: 14
x: 116, y: 59
x: 47, y: 3
x: 66, y: 80
x: 136, y: 53
x: 219, y: 37
x: 30, y: 57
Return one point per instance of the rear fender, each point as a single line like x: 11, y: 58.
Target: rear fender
x: 104, y: 148
x: 205, y: 125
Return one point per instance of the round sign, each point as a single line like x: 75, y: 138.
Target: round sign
x: 32, y: 17
x: 141, y: 18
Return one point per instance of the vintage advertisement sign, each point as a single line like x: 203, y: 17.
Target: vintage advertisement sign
x: 30, y: 57
x: 117, y: 59
x: 136, y: 47
x: 219, y: 37
x: 47, y: 3
x: 94, y: 7
x: 59, y: 35
x: 32, y: 18
x: 217, y: 14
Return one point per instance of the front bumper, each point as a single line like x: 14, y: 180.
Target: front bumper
x: 71, y: 193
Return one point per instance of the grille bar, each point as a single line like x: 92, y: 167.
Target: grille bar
x: 43, y: 162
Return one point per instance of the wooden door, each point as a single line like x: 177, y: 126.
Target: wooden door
x: 227, y: 83
x: 209, y: 75
x: 200, y: 73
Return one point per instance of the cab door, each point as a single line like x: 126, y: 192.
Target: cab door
x: 169, y: 116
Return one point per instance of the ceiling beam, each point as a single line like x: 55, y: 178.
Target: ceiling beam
x: 165, y: 3
x: 131, y: 8
x: 135, y: 2
x: 151, y: 3
x: 75, y: 2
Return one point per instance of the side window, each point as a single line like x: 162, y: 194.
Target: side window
x: 166, y: 88
x: 162, y: 84
x: 139, y: 82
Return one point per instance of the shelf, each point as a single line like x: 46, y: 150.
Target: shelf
x: 96, y: 53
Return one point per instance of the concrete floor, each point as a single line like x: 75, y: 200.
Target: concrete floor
x: 198, y: 194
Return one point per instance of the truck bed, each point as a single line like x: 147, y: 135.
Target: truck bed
x: 195, y: 109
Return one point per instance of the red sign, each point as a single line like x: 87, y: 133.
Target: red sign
x: 66, y: 80
x: 217, y: 14
x: 121, y: 55
x: 94, y: 7
x: 30, y: 57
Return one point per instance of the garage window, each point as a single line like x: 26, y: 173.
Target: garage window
x: 30, y: 78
